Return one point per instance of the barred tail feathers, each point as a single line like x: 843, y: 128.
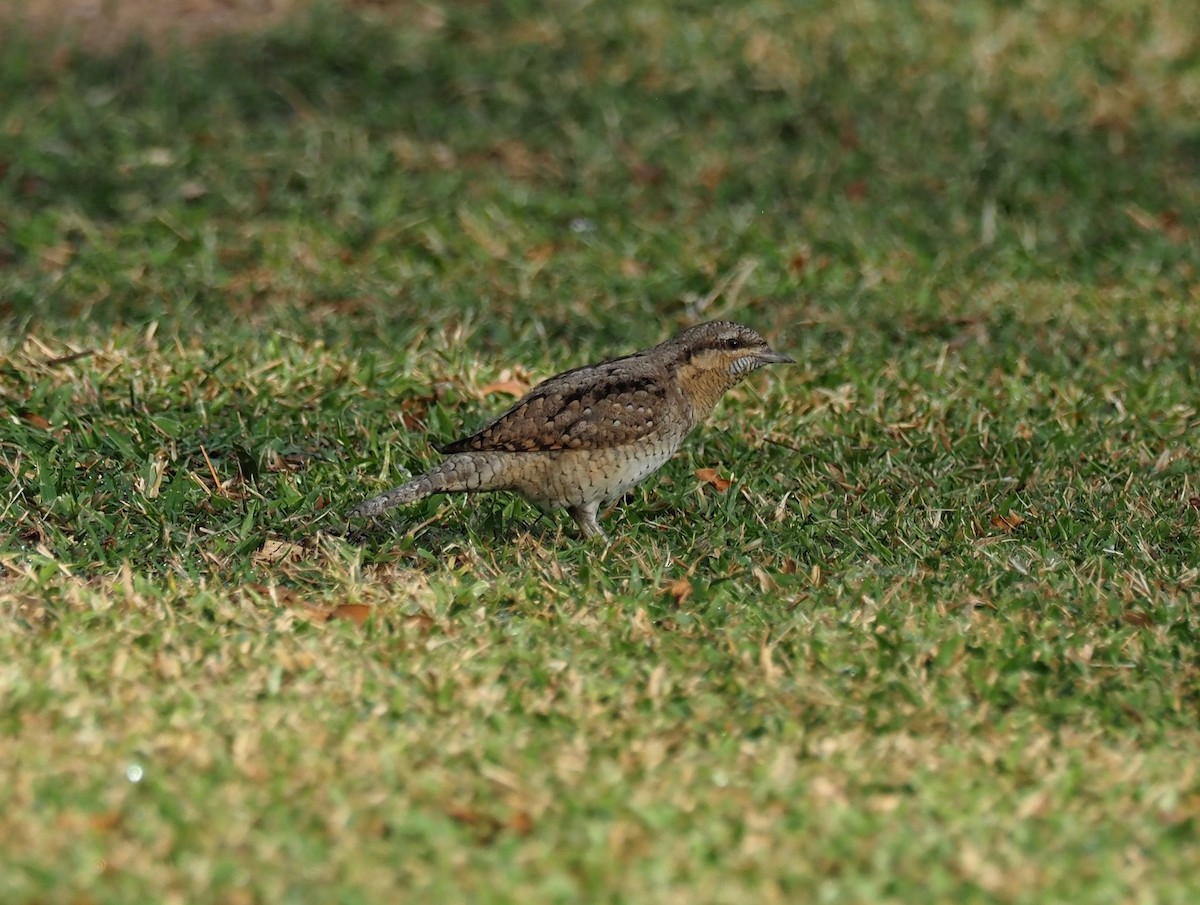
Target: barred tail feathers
x: 414, y: 490
x: 461, y: 474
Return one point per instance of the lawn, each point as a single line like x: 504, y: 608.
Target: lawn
x: 914, y: 620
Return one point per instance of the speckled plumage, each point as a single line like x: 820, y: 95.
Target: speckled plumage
x: 582, y: 438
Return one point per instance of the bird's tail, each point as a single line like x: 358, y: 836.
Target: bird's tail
x: 456, y: 474
x: 416, y: 489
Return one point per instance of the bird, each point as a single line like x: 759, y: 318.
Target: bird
x: 581, y: 439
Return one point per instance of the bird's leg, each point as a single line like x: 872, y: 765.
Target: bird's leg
x: 585, y: 517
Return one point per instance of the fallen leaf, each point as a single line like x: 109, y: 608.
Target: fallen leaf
x: 1133, y: 713
x: 712, y: 477
x: 1007, y: 523
x: 712, y: 177
x: 484, y: 234
x: 541, y: 254
x: 1166, y: 222
x: 36, y: 420
x: 469, y: 816
x: 355, y: 612
x: 1171, y: 227
x: 105, y: 821
x: 1139, y: 620
x: 30, y: 185
x: 289, y: 462
x: 631, y: 268
x: 56, y: 257
x: 414, y: 412
x: 274, y: 550
x: 799, y: 262
x: 517, y: 160
x: 680, y: 590
x: 158, y: 157
x: 167, y: 666
x: 192, y: 190
x: 521, y: 823
x: 419, y: 622
x: 642, y: 627
x: 647, y: 173
x: 507, y: 387
x: 484, y: 824
x: 286, y: 597
x: 857, y: 190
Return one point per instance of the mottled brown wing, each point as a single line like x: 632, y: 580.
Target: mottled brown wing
x: 594, y: 407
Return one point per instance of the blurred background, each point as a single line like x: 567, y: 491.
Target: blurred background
x: 571, y: 168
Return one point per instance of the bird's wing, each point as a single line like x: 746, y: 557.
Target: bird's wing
x: 593, y: 407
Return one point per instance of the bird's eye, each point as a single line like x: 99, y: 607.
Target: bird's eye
x: 731, y: 342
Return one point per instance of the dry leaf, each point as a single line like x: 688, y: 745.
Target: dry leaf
x: 1171, y: 227
x: 507, y: 387
x: 712, y: 477
x: 290, y: 462
x: 413, y: 413
x: 484, y: 824
x: 1007, y: 523
x: 191, y: 190
x: 469, y: 816
x: 631, y: 268
x: 515, y: 157
x: 1138, y: 620
x: 419, y: 622
x: 521, y: 823
x: 56, y: 257
x: 355, y: 612
x: 484, y: 235
x: 642, y: 629
x: 647, y: 173
x: 105, y: 821
x: 541, y: 254
x: 274, y: 550
x: 680, y: 589
x: 766, y: 662
x: 857, y: 190
x: 1166, y: 223
x: 712, y: 177
x: 36, y: 420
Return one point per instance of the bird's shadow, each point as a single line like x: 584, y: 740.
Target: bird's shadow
x: 489, y: 522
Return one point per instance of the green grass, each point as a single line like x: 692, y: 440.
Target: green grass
x: 938, y: 640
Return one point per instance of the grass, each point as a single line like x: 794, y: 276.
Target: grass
x: 936, y: 642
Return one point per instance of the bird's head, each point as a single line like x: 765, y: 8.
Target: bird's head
x: 714, y: 356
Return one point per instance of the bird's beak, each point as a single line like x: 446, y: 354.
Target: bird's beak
x: 771, y: 357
